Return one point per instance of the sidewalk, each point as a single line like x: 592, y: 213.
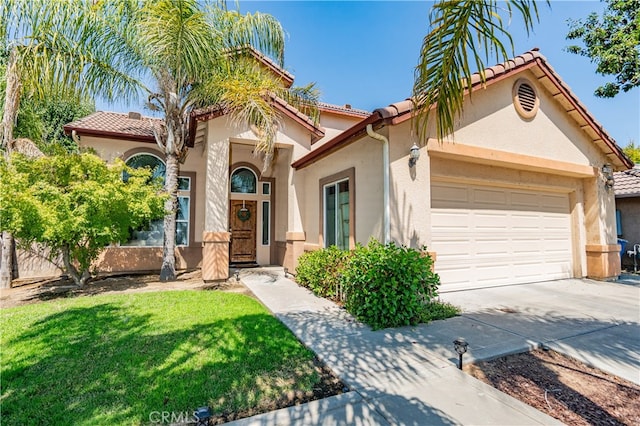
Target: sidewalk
x: 408, y: 375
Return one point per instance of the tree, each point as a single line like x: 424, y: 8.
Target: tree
x: 462, y: 33
x: 632, y: 151
x: 611, y: 42
x: 195, y: 56
x: 75, y: 205
x: 51, y: 49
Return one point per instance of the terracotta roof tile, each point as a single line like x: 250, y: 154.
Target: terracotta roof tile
x: 345, y: 110
x: 115, y: 124
x: 627, y: 183
x: 400, y: 111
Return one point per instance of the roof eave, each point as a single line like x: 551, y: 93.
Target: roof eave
x: 340, y: 141
x: 107, y: 134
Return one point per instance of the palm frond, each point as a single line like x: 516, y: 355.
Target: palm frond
x: 176, y: 35
x: 463, y: 33
x: 261, y: 31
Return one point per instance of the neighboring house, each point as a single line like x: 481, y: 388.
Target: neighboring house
x: 627, y: 190
x: 516, y: 195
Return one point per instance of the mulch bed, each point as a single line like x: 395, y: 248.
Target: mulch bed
x: 562, y: 387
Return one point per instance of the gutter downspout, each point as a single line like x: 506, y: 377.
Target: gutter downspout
x: 385, y: 180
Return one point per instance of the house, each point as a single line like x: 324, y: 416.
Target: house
x: 517, y: 194
x: 627, y: 191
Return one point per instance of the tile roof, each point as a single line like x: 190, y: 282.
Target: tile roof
x: 343, y: 109
x: 533, y: 60
x: 269, y: 63
x: 131, y: 126
x: 207, y: 113
x: 627, y: 183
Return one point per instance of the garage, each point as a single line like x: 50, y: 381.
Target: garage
x: 488, y: 236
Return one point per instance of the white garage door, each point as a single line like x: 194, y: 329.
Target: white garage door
x: 487, y: 236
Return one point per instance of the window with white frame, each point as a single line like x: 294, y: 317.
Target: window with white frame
x: 152, y: 235
x: 336, y: 214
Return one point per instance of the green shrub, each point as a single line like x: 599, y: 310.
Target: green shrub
x: 388, y: 285
x: 436, y: 310
x: 320, y: 271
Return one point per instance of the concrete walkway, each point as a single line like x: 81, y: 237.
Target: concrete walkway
x: 408, y: 375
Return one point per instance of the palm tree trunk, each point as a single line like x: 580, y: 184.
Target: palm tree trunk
x: 168, y: 270
x: 11, y: 105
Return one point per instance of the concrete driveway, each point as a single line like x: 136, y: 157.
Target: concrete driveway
x: 593, y: 321
x: 408, y: 375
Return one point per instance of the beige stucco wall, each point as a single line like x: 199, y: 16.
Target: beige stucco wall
x: 333, y: 125
x: 409, y: 189
x: 366, y: 156
x: 491, y: 121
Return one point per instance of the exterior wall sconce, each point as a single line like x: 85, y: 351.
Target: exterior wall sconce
x: 414, y: 154
x: 460, y: 345
x: 607, y: 172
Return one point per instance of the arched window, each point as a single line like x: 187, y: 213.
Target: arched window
x: 150, y: 161
x: 243, y: 181
x: 152, y: 235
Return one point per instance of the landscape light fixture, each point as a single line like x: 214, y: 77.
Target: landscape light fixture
x: 414, y: 154
x: 202, y: 415
x: 286, y: 272
x: 460, y: 345
x: 236, y: 272
x: 607, y: 172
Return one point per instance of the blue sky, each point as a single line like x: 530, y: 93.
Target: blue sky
x: 364, y: 52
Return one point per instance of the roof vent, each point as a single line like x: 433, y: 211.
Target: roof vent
x: 347, y: 106
x: 135, y: 115
x: 525, y: 98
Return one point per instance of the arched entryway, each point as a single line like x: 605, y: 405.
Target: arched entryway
x: 251, y: 215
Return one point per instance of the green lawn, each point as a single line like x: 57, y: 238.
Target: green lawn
x: 115, y: 359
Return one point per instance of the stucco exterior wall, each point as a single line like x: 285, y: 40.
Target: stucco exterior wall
x: 365, y: 156
x: 409, y: 189
x: 491, y: 121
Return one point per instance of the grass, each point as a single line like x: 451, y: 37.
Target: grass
x: 115, y: 359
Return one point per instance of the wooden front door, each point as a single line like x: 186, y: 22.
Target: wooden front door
x: 242, y: 223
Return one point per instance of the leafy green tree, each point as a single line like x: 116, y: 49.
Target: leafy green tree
x: 632, y: 151
x: 75, y: 205
x: 612, y: 42
x: 50, y: 49
x: 463, y: 33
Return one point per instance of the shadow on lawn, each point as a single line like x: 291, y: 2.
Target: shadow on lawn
x: 103, y: 365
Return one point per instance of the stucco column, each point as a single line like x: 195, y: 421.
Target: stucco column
x: 216, y: 236
x: 602, y: 249
x: 295, y: 235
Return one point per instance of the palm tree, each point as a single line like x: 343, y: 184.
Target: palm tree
x: 195, y: 56
x: 48, y: 51
x: 463, y: 32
